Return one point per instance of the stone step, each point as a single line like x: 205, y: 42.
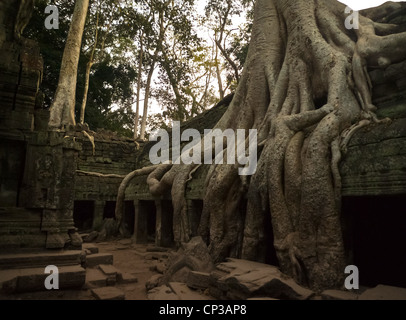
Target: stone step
x: 109, y: 270
x: 40, y: 259
x: 108, y: 293
x: 98, y: 258
x: 127, y: 278
x: 90, y: 247
x: 33, y: 279
x: 95, y: 278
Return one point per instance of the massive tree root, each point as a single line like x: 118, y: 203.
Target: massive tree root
x: 306, y: 89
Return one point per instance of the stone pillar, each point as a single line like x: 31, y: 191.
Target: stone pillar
x: 49, y: 184
x: 140, y: 223
x: 98, y: 214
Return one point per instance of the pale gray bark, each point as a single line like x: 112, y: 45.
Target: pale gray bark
x: 63, y: 105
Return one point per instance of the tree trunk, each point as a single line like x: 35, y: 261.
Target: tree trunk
x: 146, y: 100
x: 88, y: 67
x: 300, y: 54
x: 63, y: 107
x: 218, y: 73
x: 137, y: 111
x: 85, y: 91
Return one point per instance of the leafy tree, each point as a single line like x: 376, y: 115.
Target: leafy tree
x: 111, y: 79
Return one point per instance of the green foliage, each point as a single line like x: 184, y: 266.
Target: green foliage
x: 111, y: 80
x: 171, y: 43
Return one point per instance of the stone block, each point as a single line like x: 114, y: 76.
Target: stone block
x: 109, y: 269
x: 99, y: 258
x: 32, y: 279
x: 91, y: 247
x: 127, y: 278
x: 95, y: 278
x: 382, y: 292
x: 248, y: 279
x: 198, y: 280
x: 108, y: 293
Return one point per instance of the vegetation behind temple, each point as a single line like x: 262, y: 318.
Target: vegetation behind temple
x: 114, y: 74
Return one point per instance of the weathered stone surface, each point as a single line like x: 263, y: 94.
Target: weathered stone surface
x: 111, y: 280
x: 43, y: 259
x: 109, y: 269
x: 162, y: 293
x: 108, y: 293
x: 157, y: 249
x: 338, y: 295
x: 99, y: 258
x: 382, y: 292
x: 161, y: 267
x: 198, y: 280
x: 32, y: 279
x: 246, y: 279
x: 95, y: 278
x: 92, y: 236
x: 185, y: 293
x: 192, y: 256
x: 153, y: 282
x: 91, y: 247
x: 376, y: 161
x: 124, y: 277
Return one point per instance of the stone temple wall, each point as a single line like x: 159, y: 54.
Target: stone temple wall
x: 95, y: 196
x: 37, y: 167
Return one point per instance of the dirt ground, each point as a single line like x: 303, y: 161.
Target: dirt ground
x: 127, y: 257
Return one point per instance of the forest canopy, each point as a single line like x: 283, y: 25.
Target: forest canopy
x: 170, y: 60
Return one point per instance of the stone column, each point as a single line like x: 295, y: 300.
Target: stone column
x: 140, y: 223
x: 98, y: 214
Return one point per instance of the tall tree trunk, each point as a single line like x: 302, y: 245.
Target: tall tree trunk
x: 139, y: 81
x: 63, y: 106
x: 218, y: 73
x: 146, y: 100
x: 300, y: 54
x: 88, y: 67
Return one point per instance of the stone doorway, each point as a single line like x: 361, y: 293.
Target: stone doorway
x: 83, y: 213
x: 375, y: 238
x: 12, y: 161
x: 144, y: 221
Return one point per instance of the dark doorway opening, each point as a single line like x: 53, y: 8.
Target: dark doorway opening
x: 109, y: 210
x: 83, y: 212
x: 12, y: 163
x: 146, y: 222
x: 375, y: 237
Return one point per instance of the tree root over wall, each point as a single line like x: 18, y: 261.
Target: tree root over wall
x: 306, y: 89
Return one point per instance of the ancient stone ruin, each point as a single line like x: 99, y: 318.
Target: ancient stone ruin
x: 58, y: 189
